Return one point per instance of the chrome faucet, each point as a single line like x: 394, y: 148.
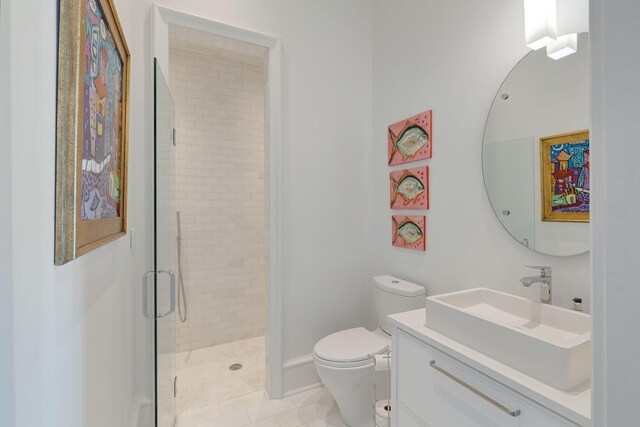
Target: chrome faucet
x: 545, y: 282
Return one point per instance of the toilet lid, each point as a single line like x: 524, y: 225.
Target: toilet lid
x: 350, y: 345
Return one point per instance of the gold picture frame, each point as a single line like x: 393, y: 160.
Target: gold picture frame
x: 91, y: 129
x: 564, y: 177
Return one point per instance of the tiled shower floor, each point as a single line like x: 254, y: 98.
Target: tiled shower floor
x: 204, y: 377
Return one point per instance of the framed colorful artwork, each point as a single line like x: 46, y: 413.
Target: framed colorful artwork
x: 409, y: 188
x: 564, y: 178
x: 409, y: 232
x: 410, y: 139
x: 91, y: 129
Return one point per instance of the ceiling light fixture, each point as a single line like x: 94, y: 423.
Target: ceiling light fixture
x: 564, y: 46
x: 540, y: 23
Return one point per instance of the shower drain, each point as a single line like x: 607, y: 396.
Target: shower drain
x: 235, y: 367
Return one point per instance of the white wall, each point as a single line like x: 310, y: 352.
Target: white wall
x: 73, y: 326
x: 220, y: 105
x: 6, y: 286
x: 452, y: 56
x: 327, y: 56
x: 616, y: 230
x: 141, y: 109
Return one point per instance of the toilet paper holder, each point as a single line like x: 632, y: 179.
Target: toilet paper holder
x: 382, y: 362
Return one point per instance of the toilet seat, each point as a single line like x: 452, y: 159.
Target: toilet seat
x: 349, y: 348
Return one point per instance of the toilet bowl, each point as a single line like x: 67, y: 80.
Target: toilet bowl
x: 345, y: 364
x: 344, y: 360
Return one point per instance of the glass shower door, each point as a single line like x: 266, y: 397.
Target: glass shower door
x: 165, y: 252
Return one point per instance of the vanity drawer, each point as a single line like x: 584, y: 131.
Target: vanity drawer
x: 443, y: 392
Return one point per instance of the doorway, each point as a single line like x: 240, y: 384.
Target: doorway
x: 219, y: 88
x: 225, y: 213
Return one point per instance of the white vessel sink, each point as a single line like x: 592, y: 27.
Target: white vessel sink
x: 548, y: 343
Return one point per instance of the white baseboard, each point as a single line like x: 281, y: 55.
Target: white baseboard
x: 140, y: 410
x: 298, y: 361
x: 299, y: 374
x: 301, y: 389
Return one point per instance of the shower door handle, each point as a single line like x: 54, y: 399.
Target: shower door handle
x: 172, y: 293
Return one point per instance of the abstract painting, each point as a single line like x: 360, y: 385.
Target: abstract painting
x: 92, y: 114
x: 410, y: 139
x: 565, y: 177
x: 409, y: 188
x: 409, y: 232
x: 101, y: 119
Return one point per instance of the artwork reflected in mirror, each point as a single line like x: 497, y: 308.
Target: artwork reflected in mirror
x: 535, y: 163
x: 565, y: 177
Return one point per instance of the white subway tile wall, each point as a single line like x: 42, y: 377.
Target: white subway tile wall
x: 220, y: 121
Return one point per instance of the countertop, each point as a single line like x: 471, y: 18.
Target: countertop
x: 574, y: 405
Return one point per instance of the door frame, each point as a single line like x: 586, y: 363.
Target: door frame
x: 277, y: 155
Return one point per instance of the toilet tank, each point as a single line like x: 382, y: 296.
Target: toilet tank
x: 392, y: 295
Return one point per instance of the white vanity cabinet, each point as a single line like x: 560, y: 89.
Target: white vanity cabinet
x: 432, y: 389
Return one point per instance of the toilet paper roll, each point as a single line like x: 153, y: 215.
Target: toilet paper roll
x: 383, y: 362
x: 382, y: 414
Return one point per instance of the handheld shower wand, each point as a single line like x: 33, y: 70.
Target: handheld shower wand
x: 182, y: 297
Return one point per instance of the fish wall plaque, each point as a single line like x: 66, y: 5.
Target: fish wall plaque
x: 409, y: 188
x: 409, y: 232
x: 410, y: 139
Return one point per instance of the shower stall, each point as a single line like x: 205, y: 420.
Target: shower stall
x: 211, y: 222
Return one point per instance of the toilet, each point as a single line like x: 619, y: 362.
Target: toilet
x: 345, y: 359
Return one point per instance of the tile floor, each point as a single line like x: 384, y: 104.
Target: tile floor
x: 211, y: 395
x: 312, y: 408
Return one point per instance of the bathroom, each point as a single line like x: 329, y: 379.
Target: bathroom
x: 75, y: 347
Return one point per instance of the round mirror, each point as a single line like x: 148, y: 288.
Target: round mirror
x: 536, y: 152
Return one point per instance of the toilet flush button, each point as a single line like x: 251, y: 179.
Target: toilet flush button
x: 395, y: 282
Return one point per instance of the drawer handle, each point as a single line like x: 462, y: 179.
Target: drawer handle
x: 474, y: 390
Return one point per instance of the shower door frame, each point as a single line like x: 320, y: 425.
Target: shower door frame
x: 277, y: 155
